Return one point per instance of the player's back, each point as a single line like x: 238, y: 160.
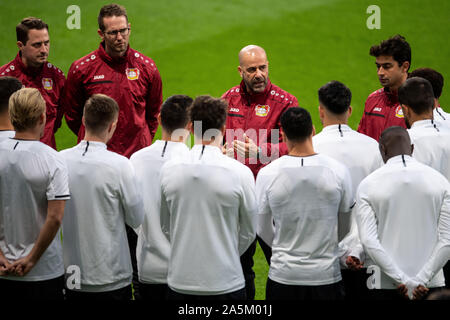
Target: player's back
x: 305, y: 195
x: 104, y: 198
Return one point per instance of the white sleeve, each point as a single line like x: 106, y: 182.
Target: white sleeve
x: 368, y: 232
x: 131, y: 198
x: 265, y: 226
x: 441, y: 252
x: 351, y: 244
x: 247, y: 212
x: 58, y: 187
x: 346, y: 204
x: 164, y: 218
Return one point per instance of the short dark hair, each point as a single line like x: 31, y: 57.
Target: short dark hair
x: 296, y: 124
x: 396, y: 47
x: 8, y: 85
x: 174, y: 112
x: 212, y: 112
x: 99, y: 112
x: 335, y: 97
x: 110, y: 10
x: 26, y: 25
x: 417, y: 93
x: 436, y: 79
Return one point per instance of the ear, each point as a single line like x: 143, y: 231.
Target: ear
x: 101, y: 34
x: 406, y: 110
x: 42, y: 118
x: 190, y: 127
x: 83, y: 122
x: 240, y: 71
x: 20, y: 45
x: 405, y: 66
x: 158, y: 117
x: 313, y: 131
x: 283, y: 136
x: 349, y: 111
x: 223, y: 130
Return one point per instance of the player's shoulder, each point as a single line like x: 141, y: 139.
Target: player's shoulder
x: 142, y: 61
x: 8, y: 68
x: 53, y: 70
x: 282, y: 96
x: 232, y: 92
x: 83, y: 64
x: 377, y: 94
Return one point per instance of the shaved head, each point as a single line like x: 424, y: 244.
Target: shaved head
x: 254, y: 68
x: 251, y: 51
x: 395, y: 141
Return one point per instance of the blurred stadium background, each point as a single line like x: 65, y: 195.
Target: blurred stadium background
x: 195, y: 45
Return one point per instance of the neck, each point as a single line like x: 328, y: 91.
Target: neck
x: 333, y: 121
x: 28, y: 135
x: 419, y: 117
x: 96, y: 138
x: 302, y: 149
x: 394, y: 88
x: 5, y: 123
x: 165, y: 136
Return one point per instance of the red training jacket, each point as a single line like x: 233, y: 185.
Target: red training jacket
x: 258, y: 111
x: 49, y: 80
x: 132, y: 80
x: 382, y: 110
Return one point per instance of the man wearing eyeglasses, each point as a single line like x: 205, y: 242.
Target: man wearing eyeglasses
x: 125, y: 75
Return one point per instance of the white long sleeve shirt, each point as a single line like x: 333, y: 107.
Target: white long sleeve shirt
x: 208, y: 212
x: 153, y: 248
x: 431, y: 142
x: 5, y: 134
x: 361, y: 155
x: 31, y: 174
x: 104, y: 197
x: 440, y: 115
x: 303, y: 196
x: 403, y: 216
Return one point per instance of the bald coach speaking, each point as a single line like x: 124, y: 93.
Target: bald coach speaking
x: 253, y: 122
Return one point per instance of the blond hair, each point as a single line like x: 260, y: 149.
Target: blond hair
x: 25, y: 107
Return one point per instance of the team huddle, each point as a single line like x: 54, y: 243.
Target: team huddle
x: 162, y: 221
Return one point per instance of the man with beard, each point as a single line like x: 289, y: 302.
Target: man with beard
x: 34, y: 71
x: 382, y: 110
x: 125, y: 75
x: 253, y: 122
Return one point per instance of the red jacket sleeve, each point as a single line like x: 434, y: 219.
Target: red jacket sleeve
x: 73, y: 100
x: 154, y: 101
x: 60, y: 110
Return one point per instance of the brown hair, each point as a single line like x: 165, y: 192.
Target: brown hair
x: 212, y: 112
x: 8, y: 85
x: 27, y: 24
x: 99, y: 112
x: 110, y: 10
x: 25, y: 107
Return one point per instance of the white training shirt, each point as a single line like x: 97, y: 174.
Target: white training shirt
x: 31, y: 174
x: 104, y: 197
x: 5, y: 134
x: 431, y: 142
x: 403, y: 216
x: 208, y: 211
x: 361, y: 155
x: 440, y: 115
x: 303, y: 196
x: 153, y: 248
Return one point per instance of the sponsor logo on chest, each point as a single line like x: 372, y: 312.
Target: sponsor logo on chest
x: 47, y: 83
x: 99, y: 77
x: 132, y: 73
x: 234, y: 110
x: 262, y: 110
x: 377, y: 109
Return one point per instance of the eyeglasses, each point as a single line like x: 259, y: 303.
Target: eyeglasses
x: 123, y: 32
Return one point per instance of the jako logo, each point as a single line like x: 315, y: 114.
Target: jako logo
x: 99, y: 77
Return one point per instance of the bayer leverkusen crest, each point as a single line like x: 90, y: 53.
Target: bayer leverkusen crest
x: 47, y: 83
x: 132, y: 73
x: 262, y: 111
x: 399, y: 112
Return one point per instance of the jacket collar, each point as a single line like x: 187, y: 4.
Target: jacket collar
x: 255, y: 96
x: 33, y: 72
x: 392, y: 96
x: 109, y: 60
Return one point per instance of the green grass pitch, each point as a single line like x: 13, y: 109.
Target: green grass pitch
x: 195, y: 45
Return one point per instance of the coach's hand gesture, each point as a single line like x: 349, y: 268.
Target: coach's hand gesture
x: 246, y: 149
x: 22, y: 266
